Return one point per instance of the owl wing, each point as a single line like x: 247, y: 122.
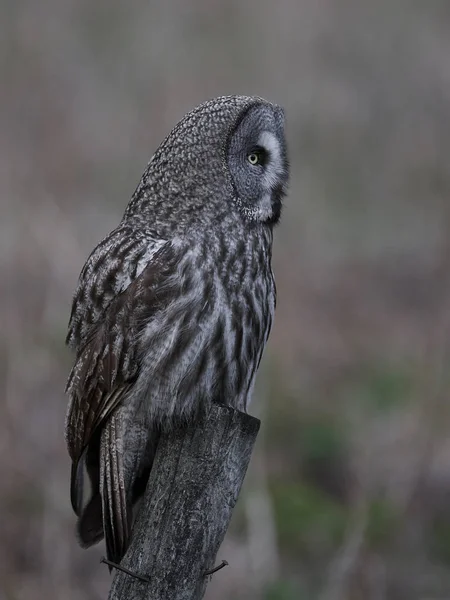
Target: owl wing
x: 123, y: 284
x: 118, y: 288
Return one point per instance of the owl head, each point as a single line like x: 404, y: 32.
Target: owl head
x: 226, y: 159
x: 257, y: 162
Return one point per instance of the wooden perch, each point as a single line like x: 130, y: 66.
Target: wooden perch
x: 193, y: 487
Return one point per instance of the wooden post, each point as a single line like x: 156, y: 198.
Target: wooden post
x: 193, y: 487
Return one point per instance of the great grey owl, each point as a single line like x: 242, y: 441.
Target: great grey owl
x: 174, y: 307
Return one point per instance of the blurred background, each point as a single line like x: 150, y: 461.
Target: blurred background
x: 348, y: 495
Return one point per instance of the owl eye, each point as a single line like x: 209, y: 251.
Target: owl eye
x: 258, y: 156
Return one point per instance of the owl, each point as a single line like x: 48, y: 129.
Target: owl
x: 174, y: 307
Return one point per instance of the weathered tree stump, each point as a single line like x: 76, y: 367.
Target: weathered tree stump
x: 193, y: 487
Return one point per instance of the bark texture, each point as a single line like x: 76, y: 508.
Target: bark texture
x: 193, y: 487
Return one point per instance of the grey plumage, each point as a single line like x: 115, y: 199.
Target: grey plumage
x: 174, y: 307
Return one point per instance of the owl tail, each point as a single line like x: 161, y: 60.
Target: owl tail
x: 115, y: 508
x: 114, y: 491
x: 90, y: 523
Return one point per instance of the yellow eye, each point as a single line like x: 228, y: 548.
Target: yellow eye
x: 258, y: 156
x: 253, y: 158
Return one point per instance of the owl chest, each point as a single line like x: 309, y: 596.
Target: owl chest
x: 252, y: 310
x: 240, y: 331
x: 206, y: 345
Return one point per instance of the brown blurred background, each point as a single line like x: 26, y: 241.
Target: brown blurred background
x: 348, y: 496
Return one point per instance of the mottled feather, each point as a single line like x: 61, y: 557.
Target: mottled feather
x: 174, y: 307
